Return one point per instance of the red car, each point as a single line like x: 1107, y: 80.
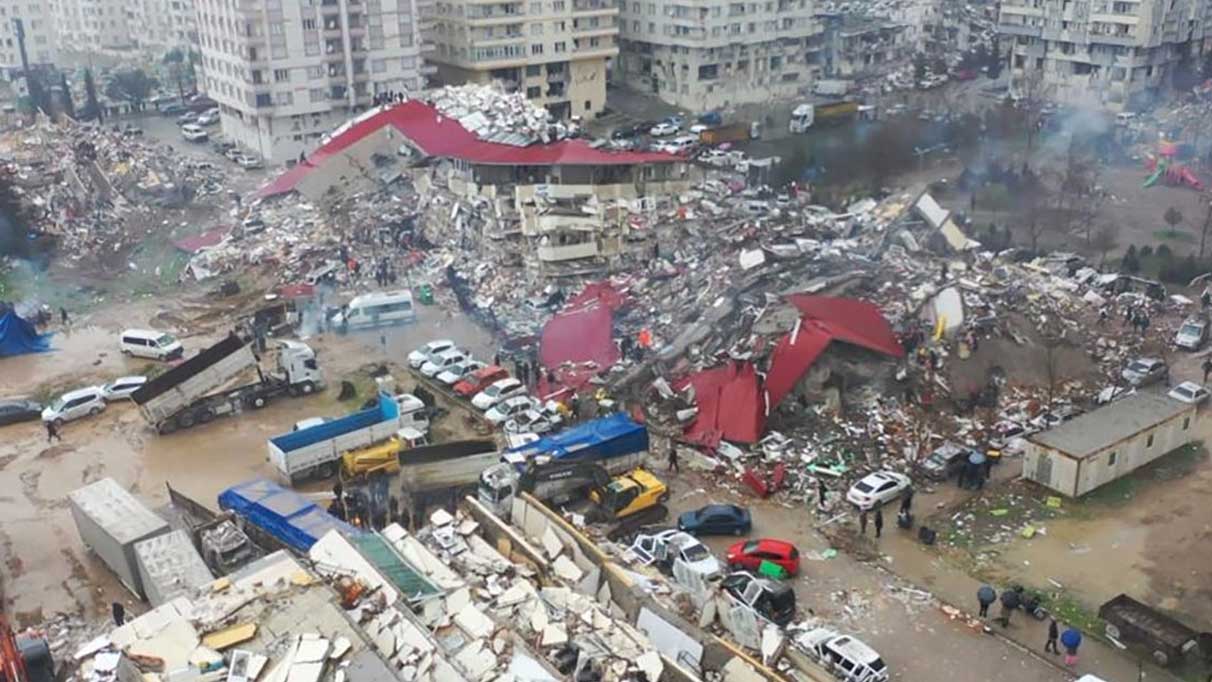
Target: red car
x: 749, y: 554
x: 479, y: 380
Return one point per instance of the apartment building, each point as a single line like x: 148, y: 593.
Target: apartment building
x: 161, y: 25
x: 557, y: 52
x: 712, y: 54
x: 92, y: 25
x: 863, y: 47
x: 286, y: 72
x: 38, y: 24
x: 1112, y: 54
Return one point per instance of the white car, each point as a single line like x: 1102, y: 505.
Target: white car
x: 75, y: 404
x: 459, y: 371
x: 698, y: 128
x: 665, y: 547
x: 496, y: 392
x: 249, y: 162
x: 508, y: 408
x: 531, y: 421
x: 877, y: 488
x: 662, y: 129
x: 122, y: 387
x: 679, y: 144
x: 440, y: 362
x: 849, y: 658
x: 423, y: 354
x: 1189, y: 392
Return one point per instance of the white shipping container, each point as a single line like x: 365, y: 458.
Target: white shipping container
x: 111, y: 521
x: 170, y: 567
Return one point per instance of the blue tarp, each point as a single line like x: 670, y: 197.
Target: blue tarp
x: 18, y: 336
x: 288, y: 516
x: 610, y: 436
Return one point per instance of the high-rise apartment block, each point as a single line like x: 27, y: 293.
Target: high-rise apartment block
x: 161, y: 25
x: 1105, y: 53
x: 557, y: 52
x: 92, y: 25
x: 710, y: 54
x: 285, y: 72
x: 39, y: 27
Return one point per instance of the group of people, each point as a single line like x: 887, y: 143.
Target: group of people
x: 1011, y: 600
x: 904, y: 516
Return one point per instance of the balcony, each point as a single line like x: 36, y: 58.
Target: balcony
x: 551, y: 254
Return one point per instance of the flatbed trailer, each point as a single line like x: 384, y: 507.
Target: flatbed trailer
x: 1134, y: 622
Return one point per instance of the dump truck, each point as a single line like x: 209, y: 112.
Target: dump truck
x: 734, y: 132
x: 805, y: 116
x: 443, y: 471
x: 111, y: 522
x: 218, y: 538
x: 315, y: 451
x: 199, y: 389
x: 288, y: 519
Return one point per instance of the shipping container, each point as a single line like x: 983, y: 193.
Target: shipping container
x: 111, y: 522
x: 283, y: 514
x: 170, y: 567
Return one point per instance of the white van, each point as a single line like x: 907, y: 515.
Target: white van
x: 375, y: 310
x: 146, y: 343
x: 193, y: 133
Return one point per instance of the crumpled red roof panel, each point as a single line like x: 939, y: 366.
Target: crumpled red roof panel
x: 580, y: 335
x: 790, y: 360
x: 600, y: 292
x: 729, y: 405
x: 851, y: 320
x: 442, y: 136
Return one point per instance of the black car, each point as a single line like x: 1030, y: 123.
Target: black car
x: 13, y: 410
x: 624, y: 133
x: 174, y: 109
x: 770, y: 599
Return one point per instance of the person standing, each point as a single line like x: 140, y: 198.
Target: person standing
x: 862, y: 521
x: 119, y: 613
x: 673, y: 459
x: 63, y: 315
x: 820, y: 493
x: 879, y: 521
x: 1053, y: 636
x: 52, y: 432
x: 907, y: 501
x: 985, y: 596
x: 1071, y: 639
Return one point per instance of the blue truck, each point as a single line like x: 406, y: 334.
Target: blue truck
x: 558, y: 467
x: 315, y: 452
x: 287, y: 518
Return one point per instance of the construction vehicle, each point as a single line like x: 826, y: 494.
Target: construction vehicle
x: 25, y: 657
x: 383, y: 458
x: 198, y: 390
x: 805, y: 116
x: 223, y: 545
x: 315, y: 451
x: 553, y: 481
x: 630, y: 501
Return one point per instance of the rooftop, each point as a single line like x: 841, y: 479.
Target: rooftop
x: 1096, y: 431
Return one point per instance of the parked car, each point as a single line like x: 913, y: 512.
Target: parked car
x: 662, y: 129
x: 457, y: 372
x: 624, y: 133
x: 877, y: 488
x: 769, y: 599
x: 209, y: 117
x: 532, y: 421
x: 479, y: 380
x: 1193, y: 334
x: 441, y: 361
x: 666, y: 547
x: 496, y: 392
x: 430, y: 350
x: 749, y: 555
x: 173, y: 109
x: 187, y: 117
x: 249, y: 162
x: 716, y: 519
x: 1145, y: 371
x: 151, y: 344
x: 1009, y: 436
x: 193, y: 133
x: 14, y: 410
x: 677, y: 145
x: 122, y: 387
x: 1189, y: 392
x: 75, y: 404
x: 506, y: 409
x: 945, y: 461
x: 848, y: 658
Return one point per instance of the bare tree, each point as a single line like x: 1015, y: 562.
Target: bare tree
x: 1035, y: 207
x: 1034, y: 96
x: 1106, y: 239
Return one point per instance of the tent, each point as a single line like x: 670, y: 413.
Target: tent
x: 18, y: 336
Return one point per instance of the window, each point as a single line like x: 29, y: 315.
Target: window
x: 534, y: 92
x: 559, y: 46
x: 536, y: 29
x: 378, y: 65
x: 536, y: 49
x: 1111, y: 457
x: 314, y: 72
x: 1148, y: 444
x: 309, y: 24
x: 534, y: 70
x: 588, y: 105
x: 281, y: 75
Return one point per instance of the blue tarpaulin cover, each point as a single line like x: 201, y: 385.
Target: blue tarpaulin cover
x: 18, y: 336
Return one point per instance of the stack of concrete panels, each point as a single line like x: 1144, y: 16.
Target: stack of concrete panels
x: 111, y: 522
x: 170, y: 567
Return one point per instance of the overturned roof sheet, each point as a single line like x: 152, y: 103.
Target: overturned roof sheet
x: 582, y: 335
x: 442, y: 136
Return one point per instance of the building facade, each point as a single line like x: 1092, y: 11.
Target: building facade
x: 92, y: 25
x: 1113, y: 54
x: 862, y: 47
x: 38, y: 24
x: 286, y: 73
x: 557, y: 52
x: 161, y: 25
x: 711, y: 55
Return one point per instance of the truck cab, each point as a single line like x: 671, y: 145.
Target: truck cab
x: 297, y: 362
x: 630, y: 493
x: 802, y: 118
x: 498, y: 486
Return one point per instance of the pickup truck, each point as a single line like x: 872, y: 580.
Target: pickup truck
x: 198, y: 390
x: 315, y: 452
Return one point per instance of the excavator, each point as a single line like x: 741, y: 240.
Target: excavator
x: 381, y: 458
x: 25, y: 657
x: 631, y: 500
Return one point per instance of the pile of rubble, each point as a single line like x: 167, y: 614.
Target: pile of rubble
x: 495, y: 115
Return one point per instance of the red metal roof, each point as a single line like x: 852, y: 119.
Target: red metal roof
x: 438, y: 135
x: 198, y: 242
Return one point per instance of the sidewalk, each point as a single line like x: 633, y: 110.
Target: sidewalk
x: 903, y: 555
